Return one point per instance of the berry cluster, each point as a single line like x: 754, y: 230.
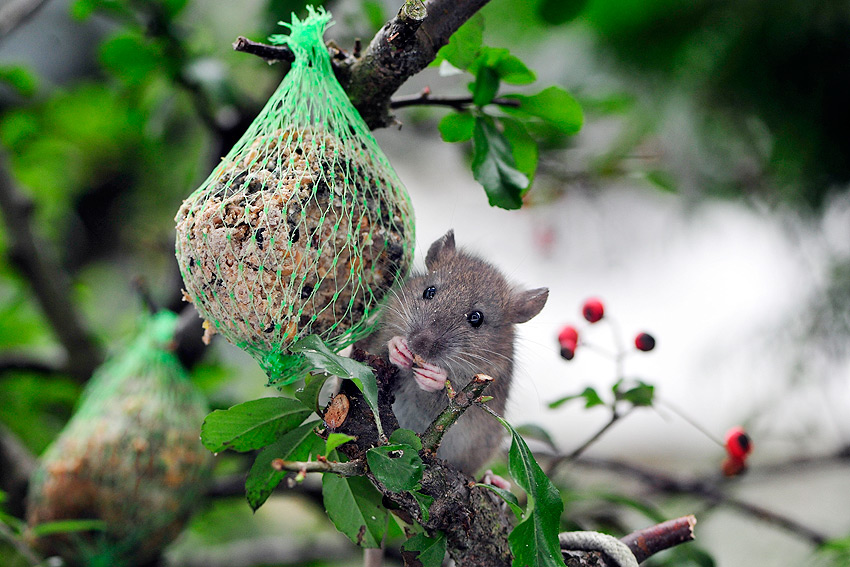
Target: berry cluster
x: 593, y: 311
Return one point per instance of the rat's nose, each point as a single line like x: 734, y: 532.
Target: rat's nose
x: 423, y: 342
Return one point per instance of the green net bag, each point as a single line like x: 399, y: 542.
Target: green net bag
x: 304, y: 226
x: 130, y: 457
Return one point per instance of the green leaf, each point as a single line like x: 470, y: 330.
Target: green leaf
x: 131, y: 57
x: 424, y: 502
x: 322, y: 358
x: 506, y: 495
x: 83, y: 9
x: 591, y: 399
x: 429, y: 551
x: 406, y: 437
x: 67, y: 527
x: 507, y: 67
x: 457, y: 127
x: 523, y: 147
x: 251, y: 425
x: 663, y: 180
x: 398, y: 467
x: 485, y: 87
x: 533, y: 431
x: 493, y: 166
x: 557, y: 12
x: 298, y: 445
x: 354, y: 507
x: 464, y: 44
x: 534, y: 542
x: 553, y: 105
x: 640, y: 395
x: 309, y: 394
x: 19, y: 78
x: 335, y: 440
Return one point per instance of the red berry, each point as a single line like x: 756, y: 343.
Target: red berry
x: 645, y: 342
x: 593, y: 310
x: 568, y: 352
x: 733, y: 466
x: 738, y: 443
x: 568, y: 334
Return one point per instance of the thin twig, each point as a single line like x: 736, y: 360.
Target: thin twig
x: 270, y: 53
x: 703, y: 490
x: 350, y: 468
x: 458, y: 403
x: 649, y: 541
x: 47, y: 279
x: 425, y: 98
x: 16, y: 13
x: 27, y: 363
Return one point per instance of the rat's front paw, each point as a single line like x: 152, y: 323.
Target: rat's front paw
x: 399, y: 352
x: 430, y: 377
x: 493, y: 479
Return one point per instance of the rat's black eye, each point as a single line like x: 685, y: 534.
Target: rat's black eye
x: 429, y: 292
x: 476, y: 318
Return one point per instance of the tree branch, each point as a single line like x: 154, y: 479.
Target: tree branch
x: 667, y: 484
x: 47, y: 279
x: 350, y: 468
x: 270, y: 53
x: 391, y: 58
x: 649, y: 541
x: 458, y: 403
x: 425, y: 98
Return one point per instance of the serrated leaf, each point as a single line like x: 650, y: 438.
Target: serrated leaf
x: 557, y: 12
x: 463, y: 45
x: 493, y: 166
x: 251, y: 425
x: 298, y: 445
x: 457, y: 127
x: 424, y: 502
x: 335, y: 440
x: 406, y: 437
x: 398, y: 467
x: 485, y: 87
x: 506, y: 495
x: 553, y: 105
x: 19, y: 78
x: 322, y: 358
x: 523, y: 148
x: 640, y: 395
x: 534, y: 541
x: 309, y: 394
x: 591, y: 399
x: 354, y: 507
x: 430, y: 551
x: 533, y: 431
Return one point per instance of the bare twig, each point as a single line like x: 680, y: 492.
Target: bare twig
x: 48, y: 280
x: 649, y: 541
x: 22, y: 362
x: 350, y: 468
x: 270, y: 53
x: 706, y: 491
x: 15, y: 13
x: 458, y: 403
x: 425, y: 98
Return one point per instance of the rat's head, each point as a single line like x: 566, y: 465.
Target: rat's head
x: 460, y: 314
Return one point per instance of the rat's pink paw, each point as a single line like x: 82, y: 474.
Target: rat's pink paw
x: 399, y: 352
x: 430, y: 377
x: 495, y: 480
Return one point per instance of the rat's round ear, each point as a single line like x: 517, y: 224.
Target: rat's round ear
x: 527, y: 304
x: 440, y: 250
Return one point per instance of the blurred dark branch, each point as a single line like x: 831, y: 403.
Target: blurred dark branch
x: 26, y: 363
x: 703, y: 490
x: 48, y: 281
x: 15, y: 13
x: 425, y: 98
x: 16, y: 466
x: 265, y: 551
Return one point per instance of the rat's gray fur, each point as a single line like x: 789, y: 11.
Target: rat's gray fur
x: 438, y: 331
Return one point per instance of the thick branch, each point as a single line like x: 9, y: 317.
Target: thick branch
x: 49, y: 282
x: 388, y: 62
x: 458, y: 403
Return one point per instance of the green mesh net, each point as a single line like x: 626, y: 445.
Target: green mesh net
x: 304, y: 226
x: 130, y: 457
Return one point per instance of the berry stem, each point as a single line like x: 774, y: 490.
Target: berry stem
x: 681, y: 414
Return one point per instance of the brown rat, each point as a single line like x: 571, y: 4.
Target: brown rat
x: 453, y: 321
